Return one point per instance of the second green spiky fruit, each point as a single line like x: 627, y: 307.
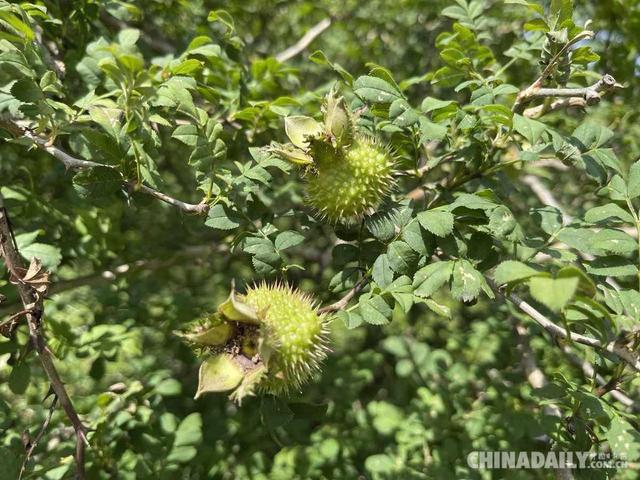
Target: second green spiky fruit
x: 352, y: 181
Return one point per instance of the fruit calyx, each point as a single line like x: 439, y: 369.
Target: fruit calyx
x: 270, y: 339
x: 348, y: 173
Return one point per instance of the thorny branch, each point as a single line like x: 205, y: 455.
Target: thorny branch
x: 31, y: 285
x: 33, y: 443
x: 73, y: 163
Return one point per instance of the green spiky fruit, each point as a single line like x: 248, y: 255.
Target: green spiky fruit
x: 271, y: 339
x: 293, y: 335
x: 352, y: 181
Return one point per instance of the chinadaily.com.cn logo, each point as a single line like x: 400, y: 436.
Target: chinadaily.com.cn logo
x: 486, y: 460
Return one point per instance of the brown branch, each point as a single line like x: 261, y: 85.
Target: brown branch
x: 344, y: 301
x: 33, y: 301
x: 34, y: 443
x: 73, y: 163
x: 548, y: 70
x: 304, y: 41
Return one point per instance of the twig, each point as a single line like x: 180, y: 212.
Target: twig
x: 73, y: 163
x: 197, y: 208
x: 36, y: 440
x: 32, y: 301
x: 590, y: 94
x: 589, y: 370
x: 548, y: 70
x: 343, y: 302
x: 565, y: 103
x: 560, y: 333
x: 304, y: 42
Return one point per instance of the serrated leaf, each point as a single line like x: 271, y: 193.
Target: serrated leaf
x: 607, y: 213
x: 97, y: 182
x: 471, y: 201
x: 431, y: 278
x: 402, y: 114
x: 438, y: 222
x: 187, y: 134
x: 591, y: 135
x: 633, y: 183
x: 49, y: 255
x: 220, y: 219
x: 514, y: 271
x: 374, y: 310
x: 467, y: 281
x: 548, y: 218
x: 613, y: 241
x: 385, y: 224
x: 430, y: 131
x: 351, y: 319
x: 554, y: 293
x: 288, y: 239
x: 530, y: 129
x: 438, y: 308
x: 26, y: 90
x: 418, y: 238
x: 381, y: 271
x: 611, y: 266
x: 401, y: 257
x: 430, y: 104
x: 375, y: 90
x: 501, y: 221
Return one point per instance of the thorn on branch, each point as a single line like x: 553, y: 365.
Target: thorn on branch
x: 31, y: 289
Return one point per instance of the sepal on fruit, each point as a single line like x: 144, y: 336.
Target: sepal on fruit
x: 270, y: 339
x: 348, y: 174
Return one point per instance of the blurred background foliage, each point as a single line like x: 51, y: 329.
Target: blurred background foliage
x: 406, y: 400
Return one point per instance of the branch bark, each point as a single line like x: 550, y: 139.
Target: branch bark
x: 590, y: 94
x: 32, y: 301
x: 72, y: 163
